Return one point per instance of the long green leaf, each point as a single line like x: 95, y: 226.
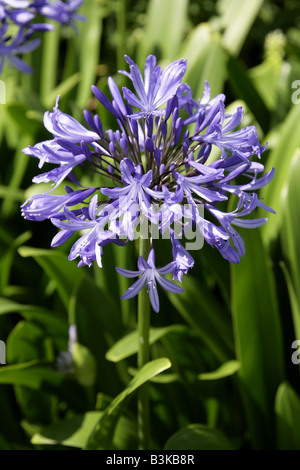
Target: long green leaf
x: 62, y: 89
x: 169, y: 18
x: 12, y: 193
x: 259, y: 346
x: 288, y: 140
x: 205, y: 315
x: 74, y: 432
x: 49, y: 65
x: 128, y: 345
x: 294, y: 300
x: 225, y: 370
x: 99, y: 325
x: 237, y: 17
x: 30, y: 374
x: 266, y: 78
x: 7, y: 259
x: 102, y: 434
x: 59, y: 269
x: 90, y: 39
x: 18, y: 113
x: 27, y: 342
x: 290, y: 234
x: 245, y: 90
x: 53, y: 324
x: 206, y: 60
x: 287, y: 408
x: 20, y: 164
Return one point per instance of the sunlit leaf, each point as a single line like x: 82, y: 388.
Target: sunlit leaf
x: 274, y: 194
x: 74, y: 432
x: 206, y: 60
x: 199, y: 437
x: 90, y: 40
x: 225, y: 370
x: 49, y: 65
x: 128, y: 345
x: 237, y: 17
x: 102, y: 434
x: 62, y: 89
x: 168, y: 18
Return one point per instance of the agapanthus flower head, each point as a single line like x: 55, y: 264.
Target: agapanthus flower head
x: 23, y: 15
x: 153, y: 175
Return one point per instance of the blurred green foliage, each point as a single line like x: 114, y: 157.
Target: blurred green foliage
x: 221, y: 374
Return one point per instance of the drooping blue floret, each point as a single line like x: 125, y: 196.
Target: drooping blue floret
x: 149, y: 275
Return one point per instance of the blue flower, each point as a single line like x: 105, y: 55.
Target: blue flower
x: 242, y: 143
x: 157, y: 87
x: 89, y: 246
x: 17, y: 45
x: 65, y: 127
x: 149, y: 275
x: 22, y: 15
x: 63, y: 12
x: 44, y: 206
x: 51, y: 151
x: 135, y: 191
x: 152, y: 175
x: 183, y: 261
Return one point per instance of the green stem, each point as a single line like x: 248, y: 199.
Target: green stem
x: 121, y: 29
x: 49, y: 63
x: 143, y: 355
